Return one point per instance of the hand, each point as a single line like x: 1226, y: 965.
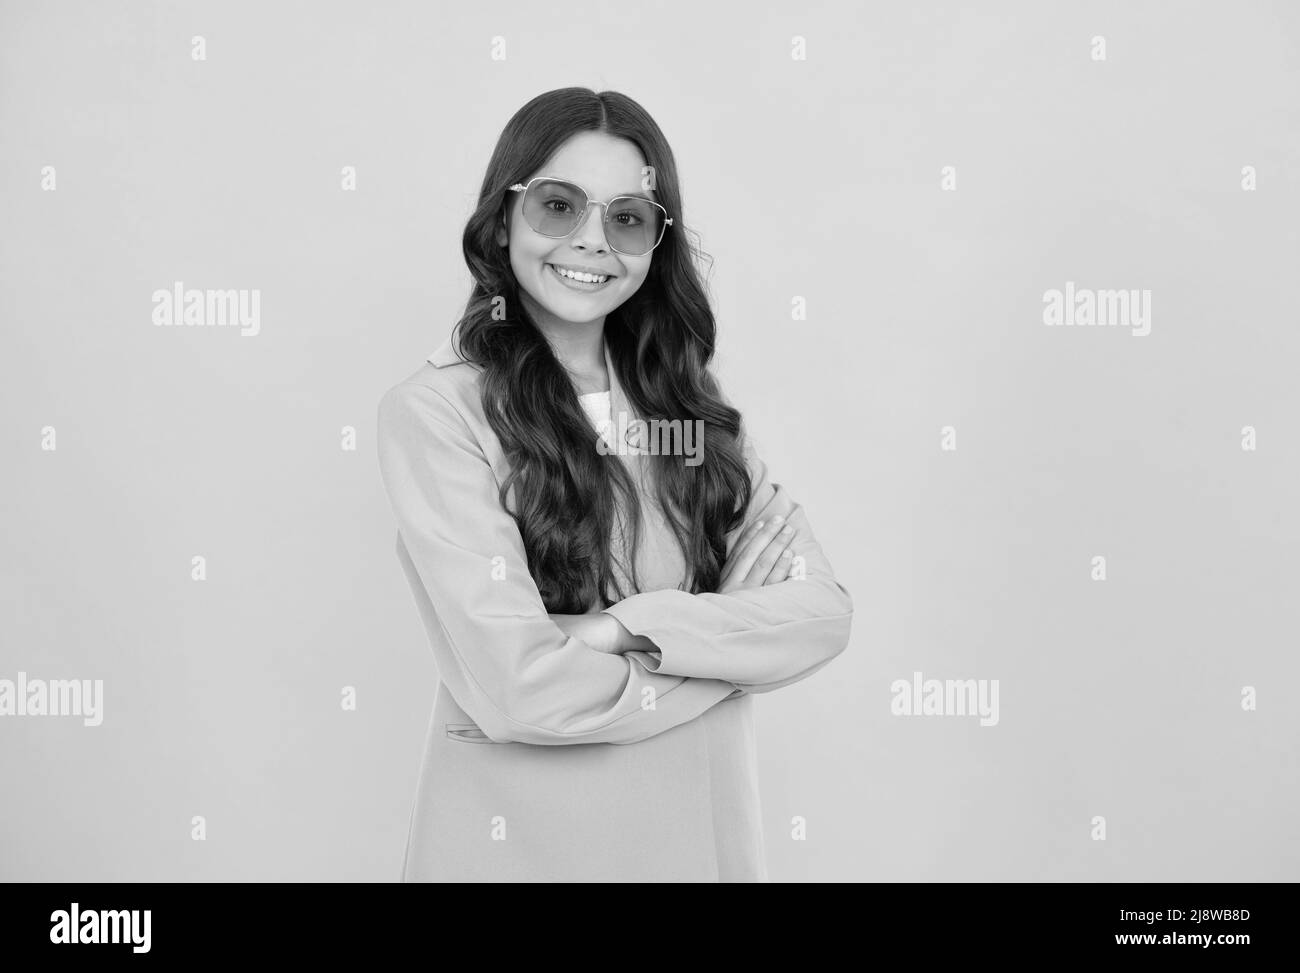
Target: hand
x: 603, y: 632
x: 761, y: 556
x: 598, y: 630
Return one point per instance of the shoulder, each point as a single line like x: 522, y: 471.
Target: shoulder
x: 444, y: 390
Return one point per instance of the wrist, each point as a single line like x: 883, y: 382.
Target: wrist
x: 614, y: 633
x: 624, y: 641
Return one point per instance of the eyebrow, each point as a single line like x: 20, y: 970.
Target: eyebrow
x: 636, y: 192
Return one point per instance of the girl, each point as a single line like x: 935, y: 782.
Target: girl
x: 601, y: 606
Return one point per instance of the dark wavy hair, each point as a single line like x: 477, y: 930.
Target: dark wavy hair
x: 569, y: 498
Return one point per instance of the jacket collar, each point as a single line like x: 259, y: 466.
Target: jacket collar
x: 446, y: 353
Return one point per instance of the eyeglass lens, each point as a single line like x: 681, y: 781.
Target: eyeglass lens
x: 633, y: 225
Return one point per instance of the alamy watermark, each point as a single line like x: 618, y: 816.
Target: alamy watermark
x: 209, y: 308
x: 55, y: 697
x: 656, y: 437
x: 945, y: 697
x: 126, y: 926
x: 1082, y: 307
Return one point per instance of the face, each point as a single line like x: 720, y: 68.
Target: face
x: 605, y: 167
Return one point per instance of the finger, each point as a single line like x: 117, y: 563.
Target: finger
x: 776, y: 543
x: 747, y: 549
x: 781, y: 569
x: 745, y: 536
x: 733, y: 555
x: 754, y: 549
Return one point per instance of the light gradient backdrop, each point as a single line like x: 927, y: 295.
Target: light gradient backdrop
x: 817, y: 178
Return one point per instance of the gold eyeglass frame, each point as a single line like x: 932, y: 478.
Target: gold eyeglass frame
x: 523, y: 187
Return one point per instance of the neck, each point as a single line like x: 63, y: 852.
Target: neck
x: 579, y: 348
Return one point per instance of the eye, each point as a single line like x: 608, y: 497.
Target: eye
x: 628, y: 219
x: 557, y: 205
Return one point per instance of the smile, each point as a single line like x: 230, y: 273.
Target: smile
x: 579, y: 280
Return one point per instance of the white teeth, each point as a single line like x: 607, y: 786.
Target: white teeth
x: 579, y: 276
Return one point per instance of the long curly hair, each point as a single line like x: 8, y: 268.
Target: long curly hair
x: 570, y: 498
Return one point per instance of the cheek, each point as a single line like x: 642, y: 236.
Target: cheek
x: 526, y: 261
x: 523, y: 246
x: 636, y: 276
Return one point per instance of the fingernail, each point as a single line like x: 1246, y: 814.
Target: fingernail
x: 759, y: 524
x: 778, y: 519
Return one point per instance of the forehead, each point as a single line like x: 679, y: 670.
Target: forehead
x: 600, y: 163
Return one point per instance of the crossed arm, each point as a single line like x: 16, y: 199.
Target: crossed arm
x: 761, y: 555
x: 524, y: 676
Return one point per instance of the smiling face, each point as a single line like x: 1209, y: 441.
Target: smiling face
x: 545, y: 267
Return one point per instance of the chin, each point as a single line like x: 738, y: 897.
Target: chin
x: 577, y: 310
x: 573, y: 315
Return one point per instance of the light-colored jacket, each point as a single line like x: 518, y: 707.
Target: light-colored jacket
x: 547, y: 760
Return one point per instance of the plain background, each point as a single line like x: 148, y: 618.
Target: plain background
x: 818, y: 179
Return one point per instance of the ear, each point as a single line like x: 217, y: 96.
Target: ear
x: 502, y: 237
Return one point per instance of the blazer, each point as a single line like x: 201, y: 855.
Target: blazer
x: 545, y: 759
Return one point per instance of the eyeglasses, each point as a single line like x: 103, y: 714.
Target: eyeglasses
x: 555, y: 208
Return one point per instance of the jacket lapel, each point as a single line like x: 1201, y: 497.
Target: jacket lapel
x: 623, y: 442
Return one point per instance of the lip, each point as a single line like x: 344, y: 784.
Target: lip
x: 578, y: 285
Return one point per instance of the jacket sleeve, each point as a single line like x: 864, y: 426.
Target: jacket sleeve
x: 506, y: 663
x: 759, y: 639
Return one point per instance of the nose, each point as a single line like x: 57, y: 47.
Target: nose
x: 590, y: 234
